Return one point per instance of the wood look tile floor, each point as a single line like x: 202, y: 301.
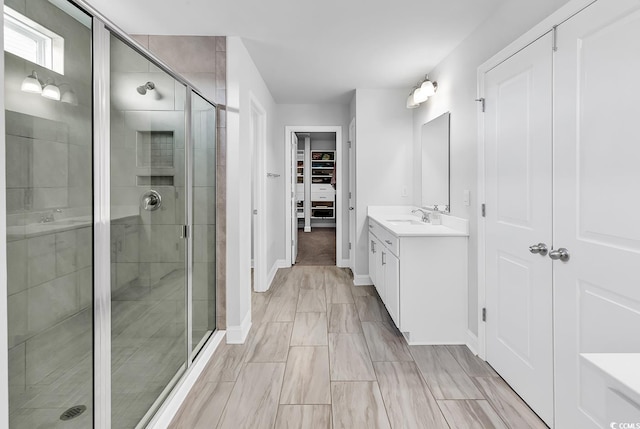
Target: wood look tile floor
x: 323, y: 353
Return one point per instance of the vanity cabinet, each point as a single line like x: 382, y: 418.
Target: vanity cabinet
x: 422, y: 281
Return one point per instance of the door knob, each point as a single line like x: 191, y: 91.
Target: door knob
x: 350, y: 208
x: 539, y: 248
x: 561, y: 254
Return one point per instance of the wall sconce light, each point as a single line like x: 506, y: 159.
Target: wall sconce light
x: 32, y: 84
x: 421, y: 93
x: 51, y: 91
x: 411, y: 103
x: 69, y: 96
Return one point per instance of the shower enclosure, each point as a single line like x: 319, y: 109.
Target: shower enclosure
x: 110, y: 221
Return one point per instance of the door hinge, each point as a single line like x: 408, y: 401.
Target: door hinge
x: 482, y: 101
x: 185, y: 232
x: 484, y: 314
x: 484, y: 210
x: 292, y: 241
x: 349, y: 246
x: 555, y: 38
x: 349, y: 143
x: 349, y: 194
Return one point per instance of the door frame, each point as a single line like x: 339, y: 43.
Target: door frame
x: 351, y: 150
x: 258, y: 133
x: 288, y: 129
x: 539, y: 30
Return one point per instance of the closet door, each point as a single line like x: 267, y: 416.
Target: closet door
x: 596, y: 202
x: 518, y: 169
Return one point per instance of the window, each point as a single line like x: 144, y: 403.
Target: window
x: 33, y: 42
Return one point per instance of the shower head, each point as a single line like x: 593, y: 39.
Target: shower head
x: 142, y: 89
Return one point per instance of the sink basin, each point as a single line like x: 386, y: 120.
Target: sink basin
x: 406, y: 222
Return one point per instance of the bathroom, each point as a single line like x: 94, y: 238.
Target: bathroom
x: 128, y: 199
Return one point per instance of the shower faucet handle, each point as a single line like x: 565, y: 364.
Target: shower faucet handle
x: 151, y: 200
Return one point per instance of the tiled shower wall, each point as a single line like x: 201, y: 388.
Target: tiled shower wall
x: 203, y: 61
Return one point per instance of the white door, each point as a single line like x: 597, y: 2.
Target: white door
x: 518, y: 148
x: 352, y: 194
x: 596, y: 202
x: 294, y: 202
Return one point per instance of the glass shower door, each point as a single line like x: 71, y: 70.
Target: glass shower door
x: 203, y: 131
x: 148, y: 252
x: 49, y: 131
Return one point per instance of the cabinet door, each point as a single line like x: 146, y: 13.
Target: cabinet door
x: 381, y: 259
x: 392, y: 286
x: 373, y: 252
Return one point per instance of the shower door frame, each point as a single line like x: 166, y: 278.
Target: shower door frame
x: 102, y: 30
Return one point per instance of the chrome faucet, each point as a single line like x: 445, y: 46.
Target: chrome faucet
x: 47, y: 218
x: 425, y: 214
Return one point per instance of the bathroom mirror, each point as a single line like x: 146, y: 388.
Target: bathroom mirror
x: 435, y: 162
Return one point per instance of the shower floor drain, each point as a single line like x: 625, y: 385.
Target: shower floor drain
x: 73, y: 412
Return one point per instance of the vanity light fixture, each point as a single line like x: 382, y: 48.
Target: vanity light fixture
x: 51, y: 91
x: 32, y: 84
x: 421, y: 92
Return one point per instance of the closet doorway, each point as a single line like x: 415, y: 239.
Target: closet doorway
x: 314, y: 220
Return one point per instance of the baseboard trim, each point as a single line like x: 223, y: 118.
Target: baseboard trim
x: 343, y: 263
x: 279, y: 263
x: 172, y: 405
x: 472, y: 342
x: 238, y: 334
x: 362, y: 280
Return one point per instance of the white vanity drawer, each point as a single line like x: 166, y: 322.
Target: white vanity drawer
x: 300, y: 188
x: 390, y: 241
x: 387, y: 239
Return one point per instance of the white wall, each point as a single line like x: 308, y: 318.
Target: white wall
x: 243, y: 81
x: 314, y: 115
x: 384, y: 166
x: 457, y: 85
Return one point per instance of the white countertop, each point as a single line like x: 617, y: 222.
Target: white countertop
x: 622, y: 368
x: 384, y: 215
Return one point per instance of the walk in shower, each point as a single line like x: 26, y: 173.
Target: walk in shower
x: 111, y: 215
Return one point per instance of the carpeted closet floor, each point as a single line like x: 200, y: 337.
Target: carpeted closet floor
x: 317, y: 247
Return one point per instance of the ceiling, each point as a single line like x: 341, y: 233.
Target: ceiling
x: 318, y: 51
